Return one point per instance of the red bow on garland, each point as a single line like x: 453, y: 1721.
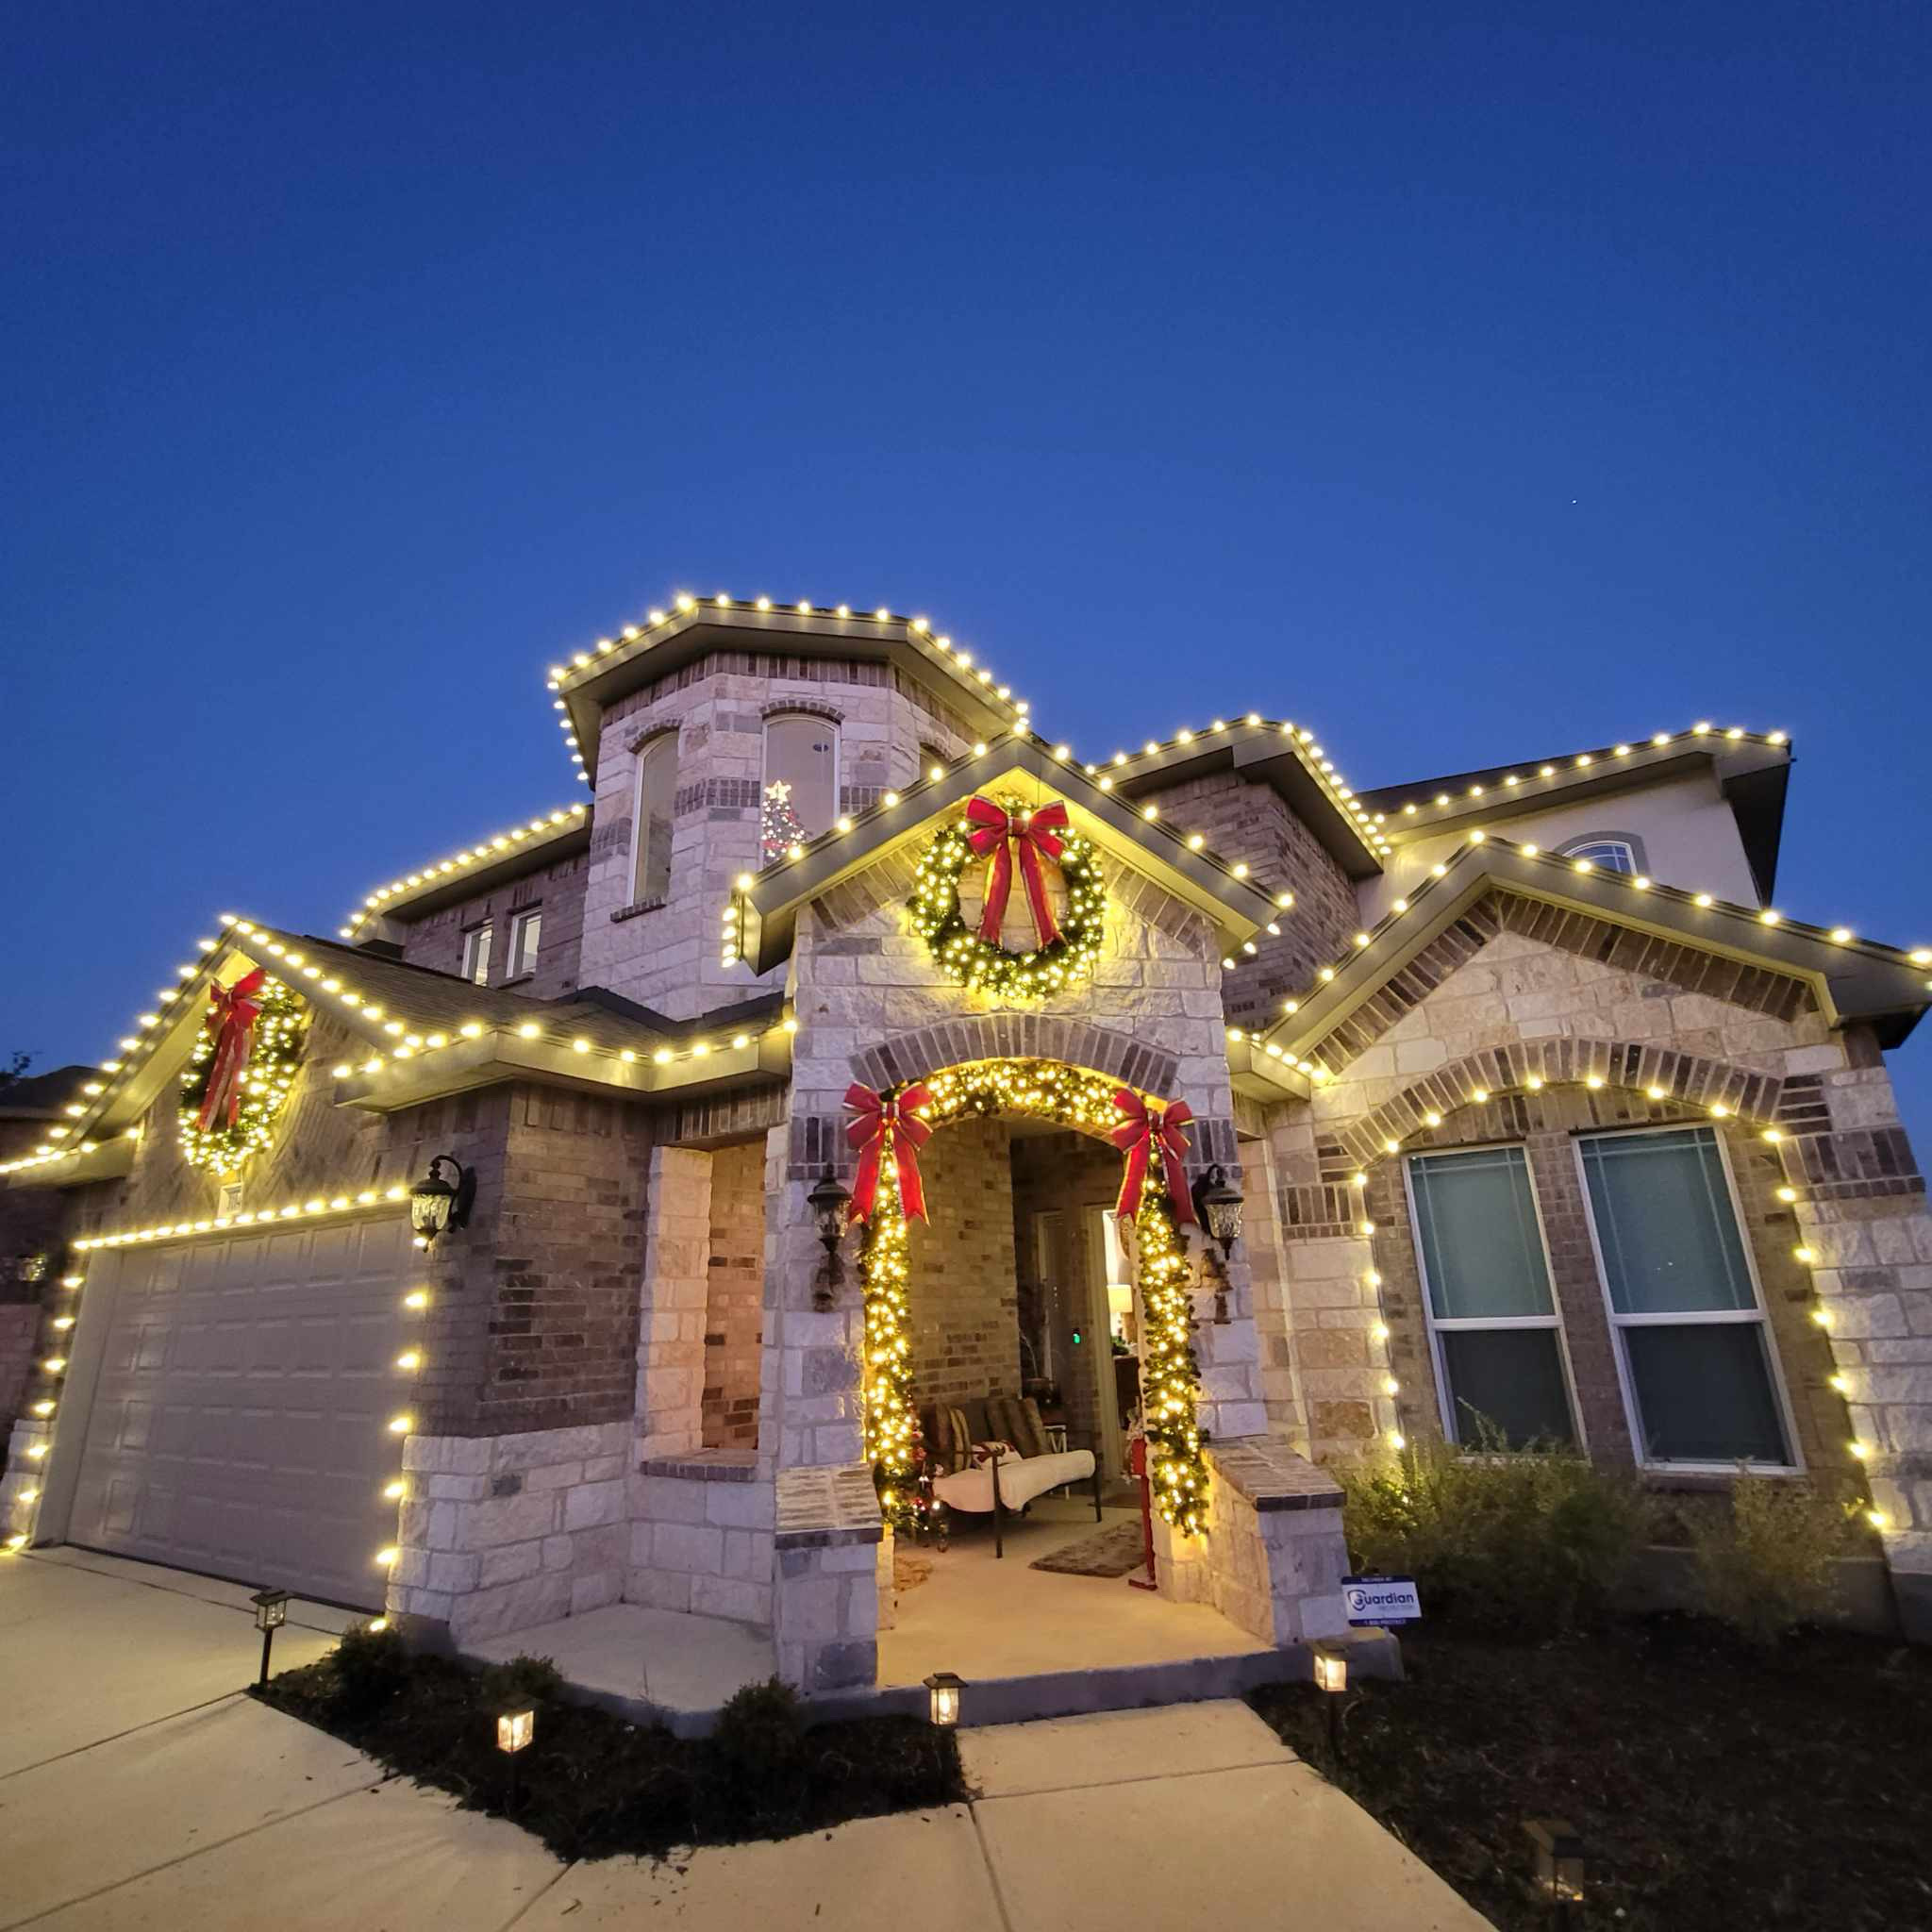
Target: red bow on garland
x: 1144, y: 1130
x: 232, y: 1017
x: 993, y: 831
x: 887, y: 1124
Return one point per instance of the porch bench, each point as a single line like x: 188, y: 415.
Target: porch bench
x: 1006, y: 1479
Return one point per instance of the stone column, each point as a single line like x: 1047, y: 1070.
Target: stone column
x: 671, y: 1319
x: 1262, y: 1238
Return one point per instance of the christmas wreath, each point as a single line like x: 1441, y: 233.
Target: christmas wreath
x: 240, y: 1070
x: 1005, y: 832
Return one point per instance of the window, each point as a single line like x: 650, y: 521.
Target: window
x: 1606, y: 854
x: 476, y: 953
x: 526, y: 931
x: 1690, y: 1327
x: 800, y: 798
x: 1492, y: 1323
x: 650, y: 852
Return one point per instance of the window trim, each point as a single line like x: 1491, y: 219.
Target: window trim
x: 1445, y: 1405
x: 1759, y: 1312
x: 837, y: 727
x: 519, y: 920
x: 483, y: 932
x: 1575, y: 848
x: 639, y: 821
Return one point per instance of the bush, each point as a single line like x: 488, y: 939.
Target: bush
x: 758, y: 1748
x: 1768, y: 1563
x: 369, y: 1666
x: 1525, y: 1543
x: 522, y: 1680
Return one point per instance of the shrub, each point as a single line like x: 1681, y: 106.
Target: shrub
x: 758, y: 1748
x: 1768, y: 1564
x: 523, y: 1679
x: 371, y: 1666
x: 1526, y: 1543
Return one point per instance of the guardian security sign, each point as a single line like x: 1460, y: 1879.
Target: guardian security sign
x: 1381, y: 1599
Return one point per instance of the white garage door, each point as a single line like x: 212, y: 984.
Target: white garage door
x: 241, y: 1407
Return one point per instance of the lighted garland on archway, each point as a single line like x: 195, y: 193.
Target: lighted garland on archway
x: 979, y: 963
x: 1068, y: 1097
x: 265, y: 1053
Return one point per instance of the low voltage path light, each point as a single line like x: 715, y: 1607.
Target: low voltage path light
x: 437, y: 1205
x: 1331, y: 1679
x: 944, y: 1689
x: 1559, y: 1865
x: 516, y: 1725
x: 271, y: 1614
x: 828, y: 1202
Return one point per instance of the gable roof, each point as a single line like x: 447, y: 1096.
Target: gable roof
x: 44, y: 1096
x: 507, y: 854
x: 419, y: 1034
x: 1752, y: 770
x: 766, y: 904
x: 667, y: 641
x: 1854, y: 979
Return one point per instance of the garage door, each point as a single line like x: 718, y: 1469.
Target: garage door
x: 241, y: 1406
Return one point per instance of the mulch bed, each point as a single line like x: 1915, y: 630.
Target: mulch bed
x: 592, y: 1785
x: 1712, y: 1785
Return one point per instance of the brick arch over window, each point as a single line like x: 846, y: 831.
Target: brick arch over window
x: 1622, y: 948
x: 806, y: 707
x: 1685, y: 1080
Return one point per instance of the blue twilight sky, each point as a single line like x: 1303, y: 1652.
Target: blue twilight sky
x: 1473, y: 383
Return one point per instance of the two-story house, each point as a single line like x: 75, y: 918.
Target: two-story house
x: 1545, y: 1117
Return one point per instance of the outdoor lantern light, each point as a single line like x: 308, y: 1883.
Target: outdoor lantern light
x: 516, y: 1725
x: 1331, y: 1679
x: 1559, y: 1863
x: 946, y: 1688
x: 271, y: 1614
x: 828, y: 1202
x: 1219, y: 1208
x: 437, y: 1205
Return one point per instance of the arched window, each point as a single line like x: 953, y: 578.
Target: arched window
x: 650, y: 848
x: 799, y: 798
x: 1607, y: 851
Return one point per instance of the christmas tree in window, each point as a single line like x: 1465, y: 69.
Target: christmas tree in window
x: 779, y: 826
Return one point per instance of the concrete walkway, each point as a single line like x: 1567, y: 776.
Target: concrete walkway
x: 139, y: 1790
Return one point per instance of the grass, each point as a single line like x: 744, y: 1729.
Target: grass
x: 592, y: 1785
x: 1712, y: 1783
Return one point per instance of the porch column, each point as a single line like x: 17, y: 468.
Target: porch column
x: 671, y: 1319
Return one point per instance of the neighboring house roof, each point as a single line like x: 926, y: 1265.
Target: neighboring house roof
x: 1752, y: 770
x: 667, y: 641
x: 508, y: 855
x: 421, y: 1034
x: 44, y: 1096
x: 1854, y: 980
x: 767, y: 903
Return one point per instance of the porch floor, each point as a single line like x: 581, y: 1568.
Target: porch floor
x: 984, y: 1616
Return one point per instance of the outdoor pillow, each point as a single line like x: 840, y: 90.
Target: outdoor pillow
x: 962, y: 1439
x: 1031, y: 1432
x: 1002, y: 1418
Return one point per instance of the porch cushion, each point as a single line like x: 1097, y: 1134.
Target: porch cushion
x: 1031, y: 1436
x: 1022, y: 1478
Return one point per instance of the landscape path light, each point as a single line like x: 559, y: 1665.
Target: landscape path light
x: 516, y: 1726
x: 1331, y: 1679
x: 271, y: 1614
x: 1559, y: 1865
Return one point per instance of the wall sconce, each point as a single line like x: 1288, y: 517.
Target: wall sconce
x: 1219, y: 1209
x: 271, y: 1614
x: 1558, y: 1864
x: 437, y: 1205
x: 828, y: 1202
x: 945, y: 1690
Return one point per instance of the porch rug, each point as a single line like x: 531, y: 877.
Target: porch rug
x: 909, y: 1570
x: 1110, y: 1551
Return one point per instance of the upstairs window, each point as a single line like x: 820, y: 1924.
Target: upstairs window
x: 525, y: 934
x: 650, y: 856
x: 799, y: 798
x: 1607, y: 855
x: 476, y: 953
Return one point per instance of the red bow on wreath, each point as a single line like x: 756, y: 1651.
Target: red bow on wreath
x: 1145, y: 1128
x: 993, y: 831
x: 887, y: 1125
x: 232, y: 1017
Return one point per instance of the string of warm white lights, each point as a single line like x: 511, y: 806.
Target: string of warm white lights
x: 314, y: 979
x: 485, y: 851
x: 1638, y: 883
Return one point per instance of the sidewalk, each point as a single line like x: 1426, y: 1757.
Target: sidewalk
x: 140, y: 1789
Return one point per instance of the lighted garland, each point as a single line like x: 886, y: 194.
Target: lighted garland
x: 275, y: 1056
x: 1068, y: 1097
x: 982, y: 967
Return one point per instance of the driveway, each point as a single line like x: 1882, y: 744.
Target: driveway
x: 141, y: 1789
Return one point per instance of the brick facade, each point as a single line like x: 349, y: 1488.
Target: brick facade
x: 733, y: 1297
x: 556, y: 891
x: 965, y: 1294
